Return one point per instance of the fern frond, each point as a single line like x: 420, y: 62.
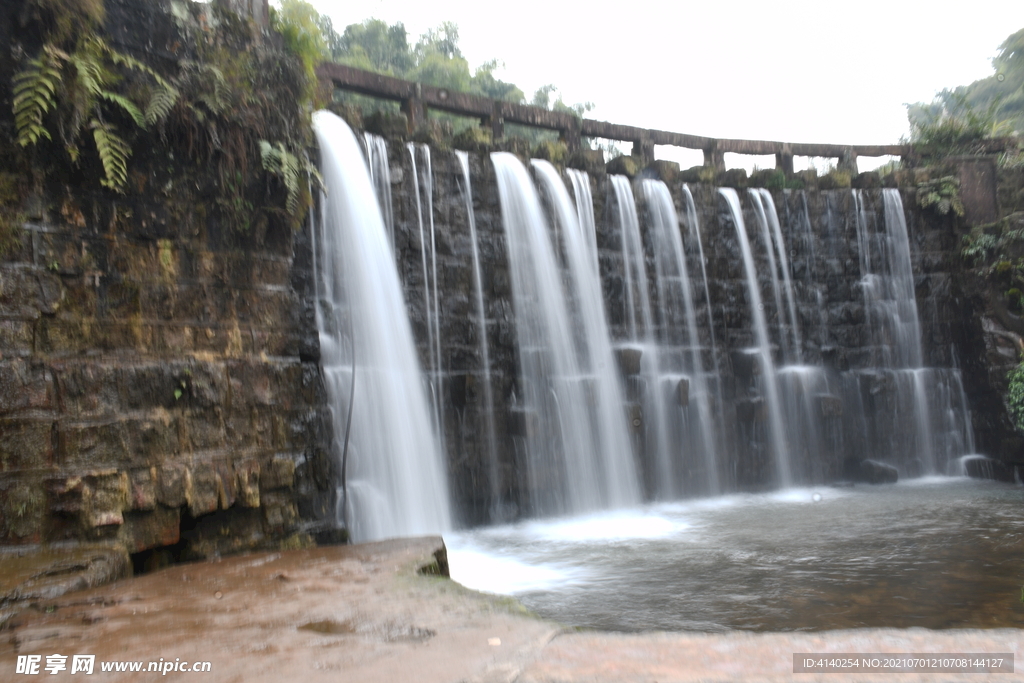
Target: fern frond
x: 114, y: 153
x: 132, y: 63
x: 89, y: 71
x: 161, y: 103
x: 125, y: 104
x: 285, y: 165
x: 34, y: 96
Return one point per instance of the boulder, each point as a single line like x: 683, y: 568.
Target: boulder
x: 870, y: 471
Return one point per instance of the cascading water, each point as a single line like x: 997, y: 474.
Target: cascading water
x: 772, y: 215
x: 593, y: 341
x: 569, y: 468
x: 674, y: 295
x: 930, y: 398
x: 773, y: 268
x: 380, y: 178
x: 640, y: 327
x: 585, y: 213
x: 423, y: 184
x: 776, y: 434
x: 395, y: 474
x: 481, y: 312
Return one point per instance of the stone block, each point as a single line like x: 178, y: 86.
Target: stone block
x: 26, y: 444
x: 22, y: 510
x: 94, y: 444
x: 279, y: 511
x: 746, y: 363
x: 667, y: 171
x: 154, y: 439
x: 205, y: 490
x: 623, y: 165
x: 247, y: 475
x: 105, y: 498
x: 830, y: 406
x: 155, y: 528
x: 635, y: 417
x: 750, y: 410
x: 227, y: 481
x: 142, y: 488
x: 629, y: 360
x: 279, y: 473
x: 66, y: 495
x: 683, y: 392
x: 174, y: 486
x: 17, y: 338
x: 24, y: 386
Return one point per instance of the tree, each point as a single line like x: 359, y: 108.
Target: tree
x: 375, y: 46
x: 990, y: 107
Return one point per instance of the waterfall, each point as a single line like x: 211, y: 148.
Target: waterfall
x: 787, y: 281
x: 380, y: 178
x: 561, y: 418
x: 593, y: 340
x: 773, y: 268
x: 776, y: 433
x: 485, y: 354
x: 585, y: 214
x: 674, y: 293
x: 930, y: 399
x: 395, y: 472
x: 653, y: 419
x: 423, y: 187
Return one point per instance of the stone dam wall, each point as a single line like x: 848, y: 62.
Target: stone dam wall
x: 159, y: 379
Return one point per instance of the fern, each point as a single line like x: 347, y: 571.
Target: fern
x: 127, y: 105
x: 290, y: 169
x: 34, y: 95
x: 161, y: 103
x: 114, y: 153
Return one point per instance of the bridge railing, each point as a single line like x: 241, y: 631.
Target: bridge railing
x: 416, y: 99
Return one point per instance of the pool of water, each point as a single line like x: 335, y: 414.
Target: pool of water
x: 936, y: 552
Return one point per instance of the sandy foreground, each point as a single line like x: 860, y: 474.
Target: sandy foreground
x: 367, y: 613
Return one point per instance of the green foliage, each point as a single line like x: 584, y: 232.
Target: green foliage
x: 114, y: 153
x: 293, y: 172
x: 1015, y: 396
x: 941, y: 195
x: 303, y: 30
x: 991, y: 107
x: 84, y: 82
x: 35, y: 90
x: 436, y: 60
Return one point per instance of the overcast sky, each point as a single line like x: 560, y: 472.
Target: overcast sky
x: 789, y: 71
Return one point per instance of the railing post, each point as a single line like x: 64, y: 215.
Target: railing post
x: 495, y: 122
x: 784, y: 160
x: 643, y: 149
x: 415, y: 110
x: 714, y: 158
x: 571, y: 135
x: 848, y: 161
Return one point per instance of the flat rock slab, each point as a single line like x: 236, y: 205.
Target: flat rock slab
x: 366, y: 613
x: 33, y: 574
x: 343, y: 613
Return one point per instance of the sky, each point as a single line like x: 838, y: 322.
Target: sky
x: 788, y: 71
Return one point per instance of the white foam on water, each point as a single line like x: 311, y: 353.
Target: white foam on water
x: 499, y: 573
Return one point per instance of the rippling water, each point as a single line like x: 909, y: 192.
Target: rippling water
x: 934, y: 553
